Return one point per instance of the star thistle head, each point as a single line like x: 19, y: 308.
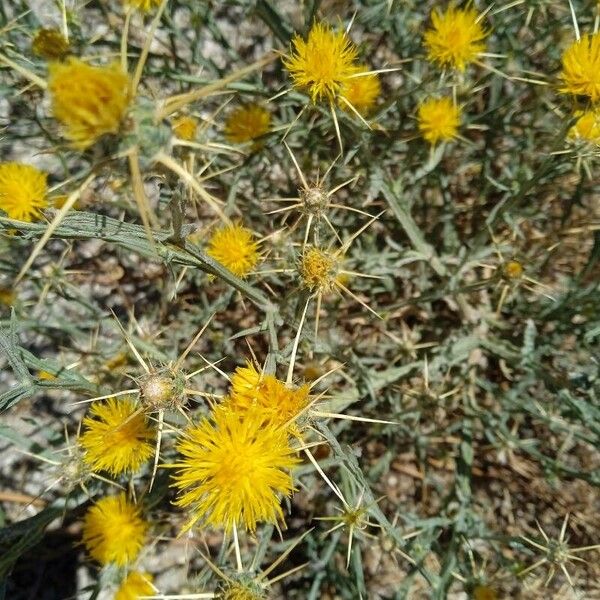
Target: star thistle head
x: 50, y: 44
x: 234, y: 469
x: 455, y: 38
x: 185, y: 127
x: 235, y: 248
x: 581, y: 68
x: 318, y: 269
x: 23, y: 191
x: 136, y: 584
x: 142, y: 5
x: 587, y: 127
x: 247, y: 123
x: 360, y: 91
x: 162, y: 389
x: 278, y: 402
x: 439, y: 119
x: 322, y: 63
x: 117, y: 437
x: 88, y: 101
x: 114, y: 530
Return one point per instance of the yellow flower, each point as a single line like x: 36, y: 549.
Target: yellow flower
x: 456, y: 37
x: 246, y: 123
x: 114, y: 530
x: 22, y: 191
x: 484, y: 592
x: 318, y: 269
x: 279, y: 403
x: 439, y: 119
x: 234, y: 469
x: 117, y: 437
x: 135, y: 585
x: 241, y: 591
x: 185, y: 127
x: 7, y: 296
x: 50, y: 44
x: 362, y: 92
x: 234, y: 247
x: 322, y: 63
x: 89, y: 101
x: 587, y: 127
x: 581, y: 67
x: 143, y: 5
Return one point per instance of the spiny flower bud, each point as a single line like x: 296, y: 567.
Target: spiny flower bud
x: 314, y: 199
x: 512, y: 270
x: 161, y: 390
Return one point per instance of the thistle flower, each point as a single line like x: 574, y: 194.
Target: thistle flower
x: 321, y: 64
x: 50, y: 44
x: 439, y: 119
x: 278, y: 402
x: 22, y: 191
x: 142, y: 5
x: 456, y: 37
x: 185, y: 127
x: 234, y: 470
x: 241, y: 591
x: 134, y: 586
x: 581, y: 67
x: 246, y: 123
x: 587, y: 127
x: 318, y: 269
x: 89, y: 101
x: 234, y: 247
x: 361, y: 92
x: 117, y: 438
x: 114, y: 530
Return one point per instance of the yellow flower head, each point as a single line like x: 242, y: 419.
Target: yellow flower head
x: 246, y: 123
x: 241, y: 591
x: 587, y: 127
x: 456, y: 37
x: 439, y: 119
x: 581, y: 68
x: 50, y: 44
x: 114, y: 530
x: 22, y: 191
x: 362, y: 92
x: 235, y: 468
x: 185, y: 127
x: 135, y: 585
x: 89, y: 101
x: 322, y: 63
x: 318, y: 269
x: 143, y: 5
x: 234, y: 247
x: 484, y: 592
x: 117, y: 437
x: 279, y: 403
